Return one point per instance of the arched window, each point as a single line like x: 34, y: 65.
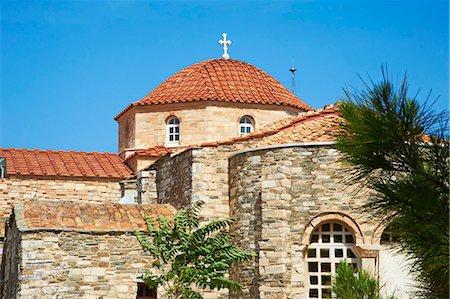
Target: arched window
x: 173, y: 130
x: 246, y: 125
x: 330, y: 243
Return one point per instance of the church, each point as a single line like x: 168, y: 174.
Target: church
x: 221, y: 131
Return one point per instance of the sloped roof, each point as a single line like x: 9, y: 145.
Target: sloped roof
x: 224, y: 80
x: 64, y: 163
x: 153, y: 152
x: 314, y: 126
x: 79, y: 216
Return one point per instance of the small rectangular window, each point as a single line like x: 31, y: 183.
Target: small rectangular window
x: 144, y: 292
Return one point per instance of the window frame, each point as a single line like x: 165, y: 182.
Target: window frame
x: 329, y: 247
x: 246, y: 125
x: 173, y: 130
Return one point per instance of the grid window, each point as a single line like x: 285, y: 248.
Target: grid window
x: 330, y: 243
x: 173, y: 130
x: 245, y: 125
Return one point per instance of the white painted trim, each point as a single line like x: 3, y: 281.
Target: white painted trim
x: 303, y: 144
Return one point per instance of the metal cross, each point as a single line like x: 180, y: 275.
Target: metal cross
x: 225, y: 42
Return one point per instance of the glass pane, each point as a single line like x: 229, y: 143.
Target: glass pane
x: 171, y: 130
x: 337, y: 227
x: 313, y: 280
x: 314, y: 238
x: 350, y: 254
x: 177, y: 137
x: 324, y: 253
x: 313, y: 293
x: 177, y: 129
x: 325, y: 238
x: 326, y: 293
x: 311, y: 253
x: 170, y: 137
x: 325, y: 267
x: 349, y: 239
x: 337, y: 238
x: 248, y: 129
x: 243, y: 130
x: 313, y: 267
x: 339, y: 253
x: 326, y: 280
x: 326, y: 227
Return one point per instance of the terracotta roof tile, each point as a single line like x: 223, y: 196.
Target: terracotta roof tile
x: 154, y: 152
x: 54, y: 215
x: 224, y: 80
x: 62, y: 163
x: 315, y: 126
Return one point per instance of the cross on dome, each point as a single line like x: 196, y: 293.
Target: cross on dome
x: 225, y: 42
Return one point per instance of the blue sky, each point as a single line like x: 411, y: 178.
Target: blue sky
x: 68, y: 67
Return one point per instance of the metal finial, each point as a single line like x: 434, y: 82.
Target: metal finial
x: 292, y: 70
x: 225, y: 43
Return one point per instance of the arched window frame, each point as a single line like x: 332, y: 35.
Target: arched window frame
x: 173, y: 130
x: 330, y: 242
x: 246, y: 125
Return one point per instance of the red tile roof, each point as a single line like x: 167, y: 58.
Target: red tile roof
x: 64, y: 164
x: 317, y: 126
x: 153, y: 152
x: 43, y: 215
x: 224, y: 80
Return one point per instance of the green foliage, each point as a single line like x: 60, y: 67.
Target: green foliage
x: 189, y: 256
x: 348, y: 285
x: 400, y: 149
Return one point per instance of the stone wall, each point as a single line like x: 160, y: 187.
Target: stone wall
x: 173, y: 179
x: 26, y: 188
x: 199, y: 122
x: 58, y: 264
x: 274, y: 194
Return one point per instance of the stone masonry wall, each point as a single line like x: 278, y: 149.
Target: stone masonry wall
x: 173, y: 179
x: 80, y: 265
x: 199, y: 122
x: 20, y: 189
x: 274, y: 193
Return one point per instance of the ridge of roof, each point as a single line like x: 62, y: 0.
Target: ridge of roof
x: 224, y: 80
x: 36, y: 162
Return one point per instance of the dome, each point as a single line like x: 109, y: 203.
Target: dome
x: 222, y: 80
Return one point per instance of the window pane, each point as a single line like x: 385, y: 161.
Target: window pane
x: 325, y: 238
x: 337, y: 238
x: 326, y: 293
x: 324, y: 253
x: 313, y: 279
x: 350, y: 253
x: 177, y: 129
x: 326, y: 280
x: 339, y: 252
x: 313, y: 267
x: 325, y: 267
x: 311, y: 253
x: 177, y: 137
x: 349, y: 239
x: 242, y: 130
x: 314, y: 238
x: 326, y: 227
x: 170, y: 137
x: 313, y: 293
x: 337, y: 227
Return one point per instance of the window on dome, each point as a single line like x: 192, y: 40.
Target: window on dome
x: 246, y: 125
x: 173, y: 130
x: 330, y: 243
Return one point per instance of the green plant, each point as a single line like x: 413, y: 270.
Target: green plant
x: 350, y: 285
x: 399, y: 148
x: 189, y: 256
